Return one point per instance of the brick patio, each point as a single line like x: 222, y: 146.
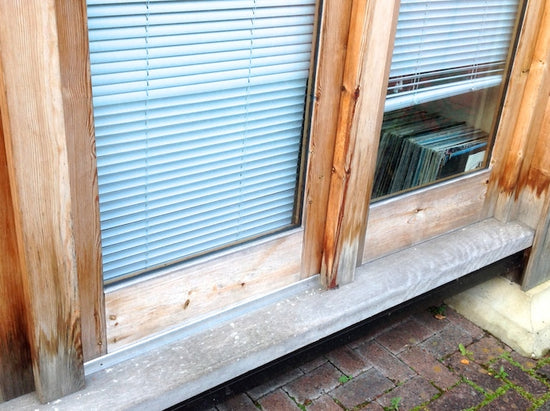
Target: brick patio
x: 408, y: 360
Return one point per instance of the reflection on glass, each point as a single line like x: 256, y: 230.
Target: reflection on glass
x: 448, y: 69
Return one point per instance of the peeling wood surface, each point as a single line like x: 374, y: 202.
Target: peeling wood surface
x: 77, y: 106
x: 169, y: 300
x: 16, y: 376
x: 365, y: 77
x: 32, y: 114
x: 409, y: 219
x: 332, y: 53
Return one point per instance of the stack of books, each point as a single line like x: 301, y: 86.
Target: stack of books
x: 417, y: 148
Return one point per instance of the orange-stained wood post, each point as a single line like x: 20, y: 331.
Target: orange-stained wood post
x: 32, y: 109
x: 336, y: 16
x: 368, y: 58
x: 520, y: 185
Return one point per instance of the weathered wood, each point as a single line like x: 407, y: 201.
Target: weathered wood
x: 534, y: 206
x: 537, y: 270
x: 233, y: 346
x: 524, y: 103
x: 519, y: 187
x: 16, y: 376
x: 366, y: 69
x: 335, y: 22
x: 31, y: 104
x: 77, y: 107
x: 186, y: 293
x: 408, y: 219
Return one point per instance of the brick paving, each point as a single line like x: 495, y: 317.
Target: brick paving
x: 408, y: 360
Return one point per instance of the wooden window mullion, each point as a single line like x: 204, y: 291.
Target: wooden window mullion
x: 370, y: 40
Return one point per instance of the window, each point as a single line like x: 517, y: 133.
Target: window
x: 199, y: 112
x: 447, y: 74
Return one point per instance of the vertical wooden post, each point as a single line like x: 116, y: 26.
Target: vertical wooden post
x: 31, y: 105
x: 522, y: 112
x: 79, y: 129
x: 336, y: 15
x: 534, y: 205
x: 520, y: 185
x: 368, y: 59
x: 15, y: 357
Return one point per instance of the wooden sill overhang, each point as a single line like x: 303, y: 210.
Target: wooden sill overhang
x: 173, y: 367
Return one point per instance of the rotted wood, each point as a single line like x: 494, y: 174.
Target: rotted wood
x: 31, y: 104
x: 368, y: 58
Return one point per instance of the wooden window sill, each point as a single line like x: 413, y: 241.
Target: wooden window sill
x: 172, y: 368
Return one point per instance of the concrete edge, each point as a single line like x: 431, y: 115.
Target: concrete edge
x: 518, y: 318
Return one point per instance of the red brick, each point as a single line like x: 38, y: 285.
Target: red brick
x: 526, y: 362
x: 348, y: 361
x: 510, y: 400
x: 390, y: 366
x: 362, y: 389
x: 468, y: 326
x: 278, y: 401
x: 313, y: 363
x: 487, y: 349
x: 414, y: 392
x: 520, y: 378
x: 427, y: 319
x: 405, y: 334
x: 428, y: 367
x: 446, y: 341
x: 311, y: 385
x: 460, y: 397
x: 544, y: 371
x: 324, y: 403
x: 473, y: 372
x: 374, y: 329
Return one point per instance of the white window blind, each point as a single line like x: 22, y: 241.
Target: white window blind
x: 448, y: 47
x: 198, y: 108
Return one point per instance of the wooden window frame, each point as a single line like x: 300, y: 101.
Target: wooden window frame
x: 45, y: 104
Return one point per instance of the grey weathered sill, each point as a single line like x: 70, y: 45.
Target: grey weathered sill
x: 243, y: 340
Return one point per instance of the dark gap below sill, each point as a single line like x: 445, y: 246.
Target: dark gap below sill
x: 510, y: 267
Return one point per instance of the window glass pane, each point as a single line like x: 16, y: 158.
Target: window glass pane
x: 198, y: 110
x: 448, y: 69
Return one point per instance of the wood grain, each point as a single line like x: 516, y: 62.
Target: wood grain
x: 523, y: 104
x: 185, y: 294
x: 77, y: 108
x: 519, y: 187
x: 16, y: 376
x: 409, y: 219
x: 335, y: 23
x: 36, y: 152
x: 366, y: 69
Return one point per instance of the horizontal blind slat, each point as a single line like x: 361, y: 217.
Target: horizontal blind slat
x: 198, y: 109
x: 440, y: 42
